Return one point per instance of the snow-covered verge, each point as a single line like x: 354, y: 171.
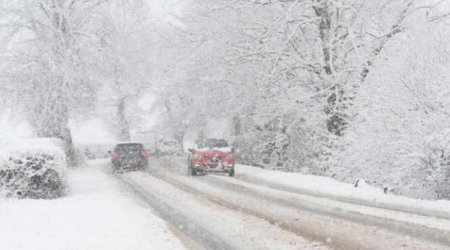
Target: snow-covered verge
x: 329, y: 187
x: 94, y: 215
x: 32, y: 168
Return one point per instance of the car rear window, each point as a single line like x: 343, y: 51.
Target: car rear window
x: 129, y: 147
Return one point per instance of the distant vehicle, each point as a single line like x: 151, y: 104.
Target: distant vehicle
x: 211, y: 155
x: 129, y: 156
x: 151, y: 149
x: 169, y: 147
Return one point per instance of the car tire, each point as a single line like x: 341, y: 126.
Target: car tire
x: 143, y: 167
x: 191, y: 170
x: 117, y: 168
x: 231, y: 172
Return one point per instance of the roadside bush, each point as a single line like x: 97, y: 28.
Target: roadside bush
x: 32, y: 169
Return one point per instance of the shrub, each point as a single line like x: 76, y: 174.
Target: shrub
x: 32, y: 168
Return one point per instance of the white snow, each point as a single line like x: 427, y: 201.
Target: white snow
x: 94, y: 215
x: 279, y: 206
x: 326, y: 204
x: 240, y: 230
x: 12, y: 126
x: 25, y: 147
x: 327, y: 186
x: 51, y: 146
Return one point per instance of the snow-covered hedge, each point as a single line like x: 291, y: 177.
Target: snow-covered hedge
x: 32, y: 168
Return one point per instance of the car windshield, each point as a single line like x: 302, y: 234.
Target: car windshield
x: 212, y: 143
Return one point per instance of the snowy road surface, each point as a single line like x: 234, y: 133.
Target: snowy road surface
x: 233, y: 229
x: 337, y: 224
x: 96, y: 214
x: 166, y: 209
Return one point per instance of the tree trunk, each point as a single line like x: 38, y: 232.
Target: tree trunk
x: 178, y: 132
x: 325, y: 34
x: 237, y: 125
x: 52, y: 121
x: 336, y: 121
x: 123, y: 127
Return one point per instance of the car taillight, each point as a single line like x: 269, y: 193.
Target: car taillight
x: 115, y: 154
x: 144, y: 153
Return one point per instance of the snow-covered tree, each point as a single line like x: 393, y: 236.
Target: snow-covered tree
x: 128, y: 52
x: 401, y: 136
x: 51, y: 46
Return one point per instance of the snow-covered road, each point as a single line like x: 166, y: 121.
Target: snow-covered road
x: 166, y: 209
x: 96, y: 214
x: 339, y: 224
x: 230, y: 228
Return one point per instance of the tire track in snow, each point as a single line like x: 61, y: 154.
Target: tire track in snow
x: 176, y: 164
x: 375, y: 204
x: 239, y: 230
x: 313, y: 231
x: 187, y: 226
x: 425, y: 232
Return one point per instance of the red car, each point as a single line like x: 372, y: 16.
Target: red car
x: 211, y: 155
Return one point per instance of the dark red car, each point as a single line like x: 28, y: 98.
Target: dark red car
x: 211, y: 155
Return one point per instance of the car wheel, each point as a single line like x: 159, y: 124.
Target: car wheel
x: 231, y: 172
x: 142, y: 167
x: 191, y: 170
x: 116, y: 168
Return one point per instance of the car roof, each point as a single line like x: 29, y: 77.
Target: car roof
x: 210, y: 139
x: 129, y: 143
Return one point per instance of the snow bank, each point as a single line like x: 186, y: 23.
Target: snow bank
x: 32, y: 168
x: 96, y: 214
x: 324, y: 186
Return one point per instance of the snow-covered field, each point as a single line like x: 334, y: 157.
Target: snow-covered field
x: 95, y: 214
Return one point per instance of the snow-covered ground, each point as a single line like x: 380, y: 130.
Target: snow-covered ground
x: 99, y: 213
x: 320, y: 218
x: 324, y: 186
x: 95, y: 214
x: 239, y: 230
